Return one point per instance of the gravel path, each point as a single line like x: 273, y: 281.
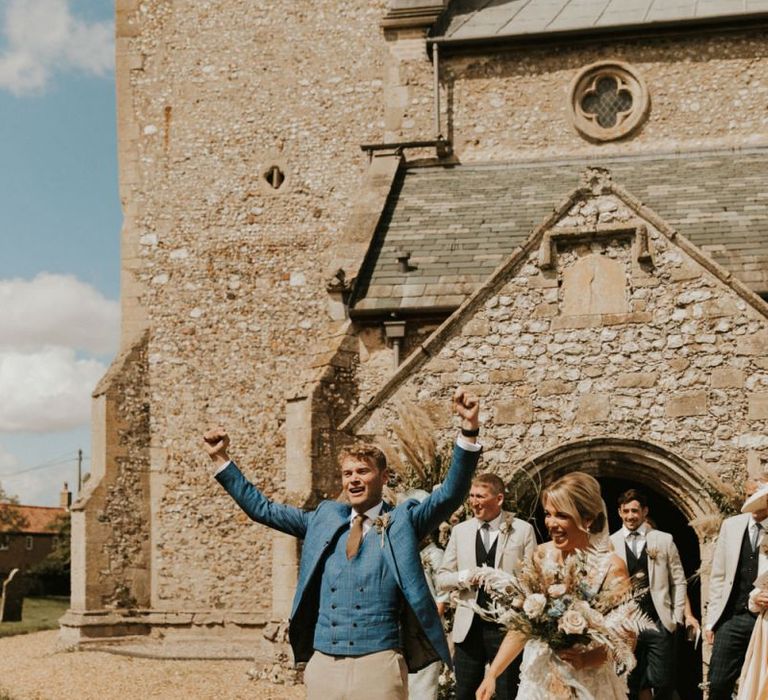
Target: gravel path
x: 33, y: 667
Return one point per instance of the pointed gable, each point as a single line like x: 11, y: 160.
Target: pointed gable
x: 684, y: 354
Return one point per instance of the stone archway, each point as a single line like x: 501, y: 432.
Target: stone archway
x: 655, y: 466
x: 678, y: 491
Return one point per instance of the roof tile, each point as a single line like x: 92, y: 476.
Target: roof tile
x: 473, y: 216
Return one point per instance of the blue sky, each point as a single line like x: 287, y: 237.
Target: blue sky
x: 59, y: 235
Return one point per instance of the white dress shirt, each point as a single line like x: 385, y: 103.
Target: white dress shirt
x: 639, y: 540
x: 370, y: 515
x: 762, y: 558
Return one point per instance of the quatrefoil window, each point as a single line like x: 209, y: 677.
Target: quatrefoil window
x: 609, y: 100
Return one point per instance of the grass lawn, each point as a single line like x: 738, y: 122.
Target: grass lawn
x: 37, y: 614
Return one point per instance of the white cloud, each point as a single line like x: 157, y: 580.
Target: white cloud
x: 43, y: 37
x: 57, y: 310
x: 45, y: 384
x: 46, y: 390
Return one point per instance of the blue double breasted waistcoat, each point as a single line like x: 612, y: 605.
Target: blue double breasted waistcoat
x: 421, y: 632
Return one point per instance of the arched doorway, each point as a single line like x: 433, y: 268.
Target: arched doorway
x: 676, y: 492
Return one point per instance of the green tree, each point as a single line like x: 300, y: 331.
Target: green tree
x: 11, y: 518
x: 57, y: 563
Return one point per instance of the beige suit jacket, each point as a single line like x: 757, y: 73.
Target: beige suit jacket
x: 666, y: 577
x: 516, y: 540
x: 725, y: 562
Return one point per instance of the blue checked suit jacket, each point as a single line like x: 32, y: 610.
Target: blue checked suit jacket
x: 422, y: 632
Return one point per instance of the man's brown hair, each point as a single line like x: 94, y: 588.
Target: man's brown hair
x: 365, y: 452
x: 492, y: 481
x: 632, y: 495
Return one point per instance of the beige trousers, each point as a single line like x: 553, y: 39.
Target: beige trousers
x: 379, y: 676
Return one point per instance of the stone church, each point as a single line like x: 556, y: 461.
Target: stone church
x: 336, y: 209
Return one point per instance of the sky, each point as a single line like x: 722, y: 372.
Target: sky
x: 60, y: 224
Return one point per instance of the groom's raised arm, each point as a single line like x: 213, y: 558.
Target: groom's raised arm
x: 447, y: 497
x: 288, y: 519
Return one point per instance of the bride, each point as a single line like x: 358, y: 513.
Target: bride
x: 576, y: 519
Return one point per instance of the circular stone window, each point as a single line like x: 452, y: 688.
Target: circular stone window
x: 608, y: 100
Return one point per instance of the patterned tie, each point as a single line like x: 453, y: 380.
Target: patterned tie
x: 485, y: 536
x: 355, y: 536
x: 634, y: 538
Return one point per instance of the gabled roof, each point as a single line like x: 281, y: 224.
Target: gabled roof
x: 473, y: 20
x: 516, y: 258
x: 460, y: 222
x: 39, y: 519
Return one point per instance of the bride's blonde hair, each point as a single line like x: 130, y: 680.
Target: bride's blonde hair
x: 578, y: 494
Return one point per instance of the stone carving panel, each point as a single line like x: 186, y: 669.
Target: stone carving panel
x: 595, y: 284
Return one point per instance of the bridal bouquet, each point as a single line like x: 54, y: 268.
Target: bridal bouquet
x: 567, y: 604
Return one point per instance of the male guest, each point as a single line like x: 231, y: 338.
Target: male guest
x: 736, y: 563
x: 494, y: 538
x: 362, y: 614
x: 652, y: 554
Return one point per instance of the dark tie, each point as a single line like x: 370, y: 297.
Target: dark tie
x: 485, y: 536
x: 756, y: 537
x: 634, y: 538
x: 355, y: 536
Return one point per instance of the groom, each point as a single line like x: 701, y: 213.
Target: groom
x: 362, y: 613
x: 653, y: 554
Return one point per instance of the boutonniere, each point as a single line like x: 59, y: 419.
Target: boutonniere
x: 381, y: 524
x: 653, y: 552
x: 505, y: 527
x: 764, y: 547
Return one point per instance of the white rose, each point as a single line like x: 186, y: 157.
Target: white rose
x: 591, y: 615
x: 534, y: 605
x: 556, y: 590
x: 572, y: 622
x: 549, y: 567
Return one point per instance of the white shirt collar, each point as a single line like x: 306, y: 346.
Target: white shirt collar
x: 371, y: 514
x: 493, y: 525
x: 641, y: 531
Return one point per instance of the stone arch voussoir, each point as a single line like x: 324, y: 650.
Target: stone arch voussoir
x: 654, y: 466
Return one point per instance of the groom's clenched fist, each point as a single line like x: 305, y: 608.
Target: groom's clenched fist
x: 216, y: 445
x: 468, y: 407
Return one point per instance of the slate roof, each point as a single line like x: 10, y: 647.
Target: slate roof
x: 475, y: 19
x: 39, y: 519
x: 459, y: 223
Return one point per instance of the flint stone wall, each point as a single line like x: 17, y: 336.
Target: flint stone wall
x: 705, y: 91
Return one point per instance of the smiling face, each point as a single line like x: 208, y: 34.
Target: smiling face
x: 563, y: 529
x: 362, y: 483
x: 485, y: 504
x: 632, y: 514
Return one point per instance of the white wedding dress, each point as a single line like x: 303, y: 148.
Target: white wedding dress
x: 542, y: 673
x: 542, y: 670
